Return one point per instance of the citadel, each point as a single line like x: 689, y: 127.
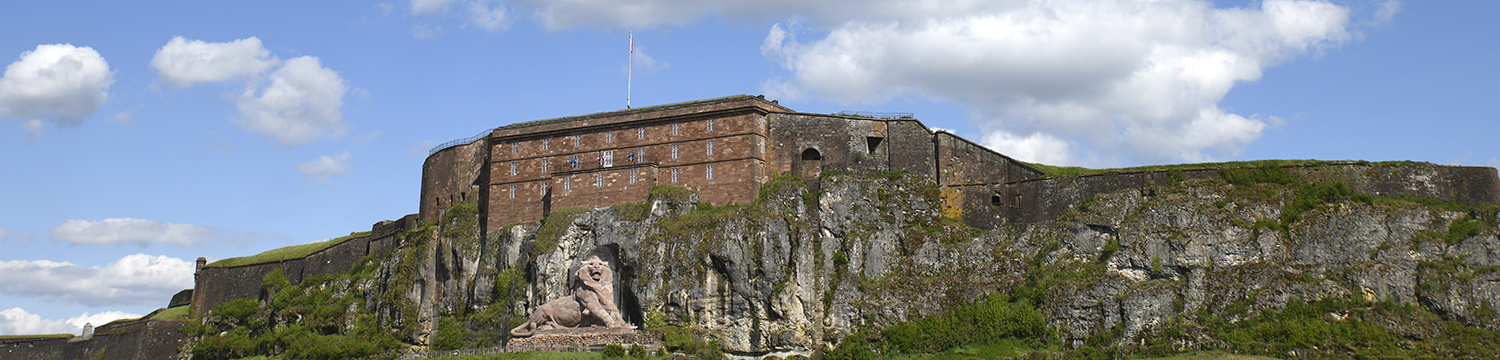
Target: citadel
x: 867, y: 238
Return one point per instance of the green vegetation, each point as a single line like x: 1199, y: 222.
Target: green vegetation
x: 289, y: 252
x: 1050, y: 170
x: 681, y: 339
x: 533, y: 355
x: 180, y: 312
x: 553, y: 226
x: 995, y: 319
x: 37, y: 336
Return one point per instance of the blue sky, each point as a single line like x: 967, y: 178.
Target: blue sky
x: 137, y: 138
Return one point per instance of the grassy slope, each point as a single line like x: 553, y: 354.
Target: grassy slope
x: 289, y: 252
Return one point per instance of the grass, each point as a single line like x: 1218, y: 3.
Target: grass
x: 1050, y: 170
x: 284, y: 253
x: 180, y: 312
x: 995, y: 350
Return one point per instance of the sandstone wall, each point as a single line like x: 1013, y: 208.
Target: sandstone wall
x: 126, y: 340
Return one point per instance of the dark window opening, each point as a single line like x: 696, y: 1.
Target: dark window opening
x: 874, y: 143
x: 811, y: 154
x: 463, y: 197
x: 995, y: 200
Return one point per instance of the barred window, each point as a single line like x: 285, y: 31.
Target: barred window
x: 545, y: 167
x: 674, y: 175
x: 577, y: 139
x: 710, y: 171
x: 547, y: 144
x: 512, y: 168
x: 633, y: 174
x: 710, y: 125
x: 760, y: 145
x: 676, y: 129
x: 598, y: 179
x: 568, y: 184
x: 609, y: 137
x: 513, y: 191
x: 515, y: 147
x: 674, y: 151
x: 543, y: 188
x: 710, y: 147
x: 640, y: 133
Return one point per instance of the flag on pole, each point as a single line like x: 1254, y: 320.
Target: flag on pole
x: 573, y: 163
x: 632, y: 42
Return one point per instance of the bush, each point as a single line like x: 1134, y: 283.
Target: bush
x: 979, y: 323
x: 450, y: 335
x: 637, y: 351
x: 239, y: 309
x: 853, y: 347
x: 614, y: 351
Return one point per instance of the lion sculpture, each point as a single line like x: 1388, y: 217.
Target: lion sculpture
x: 592, y: 303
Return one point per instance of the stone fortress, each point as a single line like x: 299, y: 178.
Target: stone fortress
x: 723, y: 149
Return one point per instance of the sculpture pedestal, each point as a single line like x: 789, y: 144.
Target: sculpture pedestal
x: 581, y: 339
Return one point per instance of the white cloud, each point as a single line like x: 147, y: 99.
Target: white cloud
x: 419, y: 7
x: 137, y: 279
x: 60, y: 82
x: 120, y: 117
x: 184, y: 62
x: 324, y: 167
x: 300, y: 104
x: 119, y: 231
x: 491, y: 18
x: 1387, y: 11
x: 33, y: 129
x: 17, y: 321
x: 1115, y: 80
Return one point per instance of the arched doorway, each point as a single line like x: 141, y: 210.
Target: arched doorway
x: 811, y: 161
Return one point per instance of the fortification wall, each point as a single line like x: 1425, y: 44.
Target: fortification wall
x: 216, y: 284
x: 1042, y: 199
x: 453, y: 175
x: 910, y: 147
x: 128, y: 340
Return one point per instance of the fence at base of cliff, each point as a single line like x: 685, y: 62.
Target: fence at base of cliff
x: 650, y: 349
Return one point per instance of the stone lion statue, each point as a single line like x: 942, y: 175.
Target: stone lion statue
x: 592, y: 303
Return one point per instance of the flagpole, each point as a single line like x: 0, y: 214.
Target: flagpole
x: 629, y: 66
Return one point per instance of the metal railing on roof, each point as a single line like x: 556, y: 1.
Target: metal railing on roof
x: 879, y: 115
x: 453, y: 143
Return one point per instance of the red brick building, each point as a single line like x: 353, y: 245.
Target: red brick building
x: 723, y: 149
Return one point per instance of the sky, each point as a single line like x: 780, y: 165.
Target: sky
x: 135, y: 139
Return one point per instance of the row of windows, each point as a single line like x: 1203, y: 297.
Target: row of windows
x: 599, y: 179
x: 608, y: 156
x: 609, y: 137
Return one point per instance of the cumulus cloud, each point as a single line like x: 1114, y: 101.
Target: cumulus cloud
x: 1070, y: 82
x: 137, y: 279
x: 489, y: 15
x: 184, y: 62
x: 61, y: 83
x: 323, y: 168
x: 300, y: 104
x: 17, y: 321
x: 119, y: 231
x: 297, y: 103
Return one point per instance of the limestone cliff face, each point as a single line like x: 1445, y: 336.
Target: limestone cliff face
x: 799, y: 270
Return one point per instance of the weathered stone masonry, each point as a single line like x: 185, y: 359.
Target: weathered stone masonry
x: 723, y: 149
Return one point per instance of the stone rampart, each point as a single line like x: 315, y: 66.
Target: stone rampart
x: 216, y: 284
x: 128, y: 340
x: 1043, y: 199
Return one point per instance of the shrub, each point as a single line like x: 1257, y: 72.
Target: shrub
x: 980, y: 323
x: 853, y: 347
x: 637, y: 351
x: 239, y: 309
x: 450, y: 335
x: 614, y: 351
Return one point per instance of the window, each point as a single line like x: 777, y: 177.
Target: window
x: 609, y: 137
x: 633, y: 174
x: 674, y: 151
x: 577, y: 139
x: 760, y: 145
x: 607, y: 159
x: 512, y: 169
x: 598, y: 179
x: 543, y: 193
x: 640, y: 133
x: 545, y: 168
x: 710, y: 147
x: 710, y: 172
x: 872, y: 143
x: 676, y: 130
x: 547, y: 144
x: 515, y: 147
x: 568, y: 184
x: 710, y: 125
x: 674, y: 175
x: 513, y: 191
